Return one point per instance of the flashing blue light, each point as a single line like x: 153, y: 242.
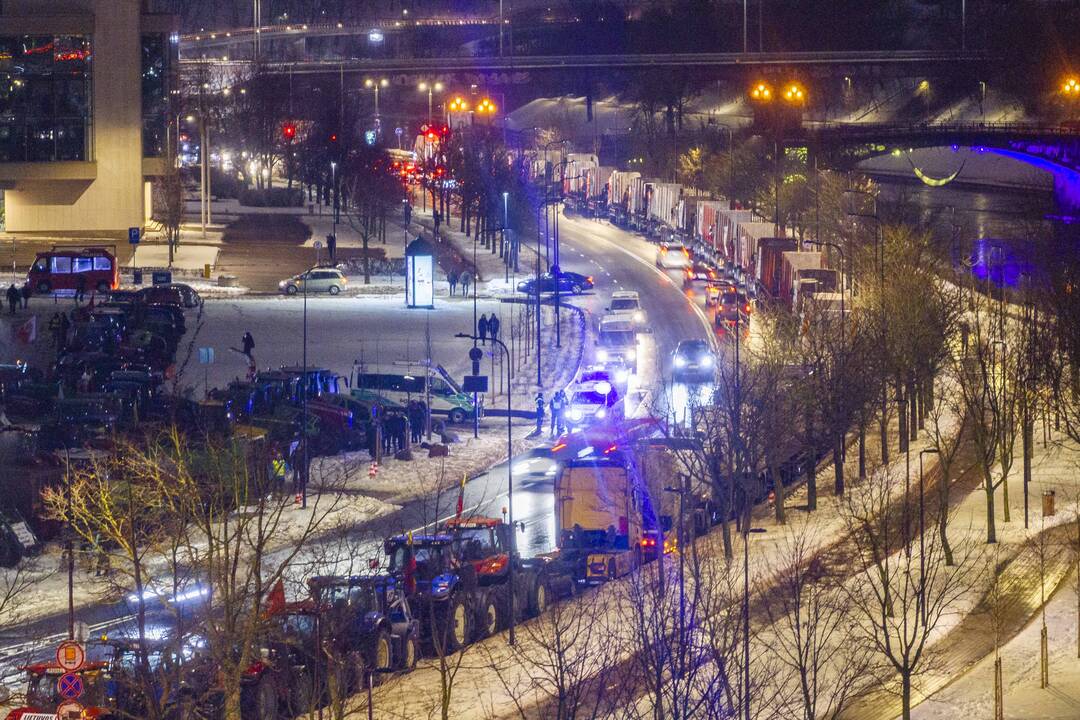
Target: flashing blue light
x: 369, y: 137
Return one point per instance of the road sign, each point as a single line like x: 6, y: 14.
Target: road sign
x: 134, y: 235
x: 70, y: 710
x: 70, y: 686
x: 70, y: 656
x: 206, y: 356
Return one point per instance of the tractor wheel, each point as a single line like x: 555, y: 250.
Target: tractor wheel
x: 301, y: 694
x: 381, y: 652
x: 259, y: 701
x: 454, y: 625
x: 490, y: 619
x: 457, y: 416
x: 538, y: 598
x: 44, y: 287
x: 411, y: 654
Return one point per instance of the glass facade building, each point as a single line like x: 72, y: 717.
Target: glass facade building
x: 45, y: 98
x: 156, y: 50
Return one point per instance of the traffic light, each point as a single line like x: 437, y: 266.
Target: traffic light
x: 289, y: 130
x: 333, y: 137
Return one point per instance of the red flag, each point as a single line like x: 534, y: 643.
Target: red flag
x: 461, y: 495
x: 275, y: 600
x: 27, y: 332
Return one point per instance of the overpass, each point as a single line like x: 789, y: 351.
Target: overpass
x: 908, y: 60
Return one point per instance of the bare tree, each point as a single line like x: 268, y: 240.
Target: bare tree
x: 813, y: 633
x: 945, y: 432
x: 900, y: 594
x: 990, y: 380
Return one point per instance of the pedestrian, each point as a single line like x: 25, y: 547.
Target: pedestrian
x: 556, y: 410
x: 452, y: 278
x: 437, y: 218
x: 482, y: 328
x: 65, y: 326
x: 493, y: 328
x: 27, y: 291
x: 408, y: 214
x: 83, y: 385
x: 80, y: 288
x: 540, y: 406
x: 247, y: 344
x: 331, y: 246
x: 560, y: 415
x: 13, y: 297
x: 414, y: 421
x: 277, y: 472
x: 465, y: 279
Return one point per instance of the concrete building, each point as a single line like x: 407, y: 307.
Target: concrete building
x: 84, y: 113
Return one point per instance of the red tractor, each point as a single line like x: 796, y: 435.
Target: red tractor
x: 43, y: 692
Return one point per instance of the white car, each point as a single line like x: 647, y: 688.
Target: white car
x: 590, y: 403
x: 329, y: 280
x: 626, y: 304
x: 672, y: 256
x: 616, y: 343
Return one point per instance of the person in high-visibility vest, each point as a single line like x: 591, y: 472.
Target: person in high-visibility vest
x: 277, y: 472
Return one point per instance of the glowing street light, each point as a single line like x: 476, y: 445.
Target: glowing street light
x: 375, y: 85
x: 761, y: 93
x: 430, y: 88
x: 486, y: 107
x: 794, y: 94
x: 1071, y: 88
x: 458, y: 104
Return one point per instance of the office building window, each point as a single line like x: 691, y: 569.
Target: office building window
x: 155, y: 93
x: 45, y: 100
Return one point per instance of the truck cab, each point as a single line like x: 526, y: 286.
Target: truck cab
x: 617, y: 342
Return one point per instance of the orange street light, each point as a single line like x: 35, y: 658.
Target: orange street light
x: 486, y: 107
x: 458, y: 105
x: 794, y: 94
x: 1071, y: 87
x: 761, y: 93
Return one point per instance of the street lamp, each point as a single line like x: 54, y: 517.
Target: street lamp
x: 794, y: 94
x: 506, y: 248
x: 375, y: 85
x: 761, y: 92
x: 457, y: 105
x: 430, y: 88
x: 486, y: 107
x: 746, y: 611
x: 922, y: 525
x: 509, y: 471
x: 333, y: 184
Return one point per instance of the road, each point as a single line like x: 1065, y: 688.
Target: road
x: 341, y: 330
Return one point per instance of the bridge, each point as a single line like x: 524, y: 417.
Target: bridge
x: 1053, y: 148
x: 909, y: 61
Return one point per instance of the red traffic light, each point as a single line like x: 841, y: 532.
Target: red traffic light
x: 289, y: 130
x: 333, y: 137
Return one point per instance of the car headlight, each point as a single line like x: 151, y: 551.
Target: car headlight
x: 631, y: 355
x: 639, y: 316
x: 601, y: 413
x: 576, y: 414
x: 679, y: 362
x: 602, y: 355
x: 706, y: 361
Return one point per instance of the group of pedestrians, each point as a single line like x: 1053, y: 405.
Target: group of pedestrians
x: 557, y: 408
x: 462, y: 277
x: 18, y: 296
x: 488, y: 327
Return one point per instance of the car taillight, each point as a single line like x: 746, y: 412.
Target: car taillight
x: 686, y: 252
x: 589, y: 279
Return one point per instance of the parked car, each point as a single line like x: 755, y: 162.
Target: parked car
x: 67, y: 268
x: 699, y: 271
x: 329, y: 280
x: 161, y: 295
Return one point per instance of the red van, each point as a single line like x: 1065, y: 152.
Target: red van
x: 62, y: 268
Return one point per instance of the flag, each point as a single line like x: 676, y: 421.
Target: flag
x: 27, y: 332
x: 461, y: 495
x: 275, y: 599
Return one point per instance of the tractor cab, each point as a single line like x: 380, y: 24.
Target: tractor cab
x: 484, y: 542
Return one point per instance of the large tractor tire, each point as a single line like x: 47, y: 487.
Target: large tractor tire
x: 454, y: 625
x: 259, y: 701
